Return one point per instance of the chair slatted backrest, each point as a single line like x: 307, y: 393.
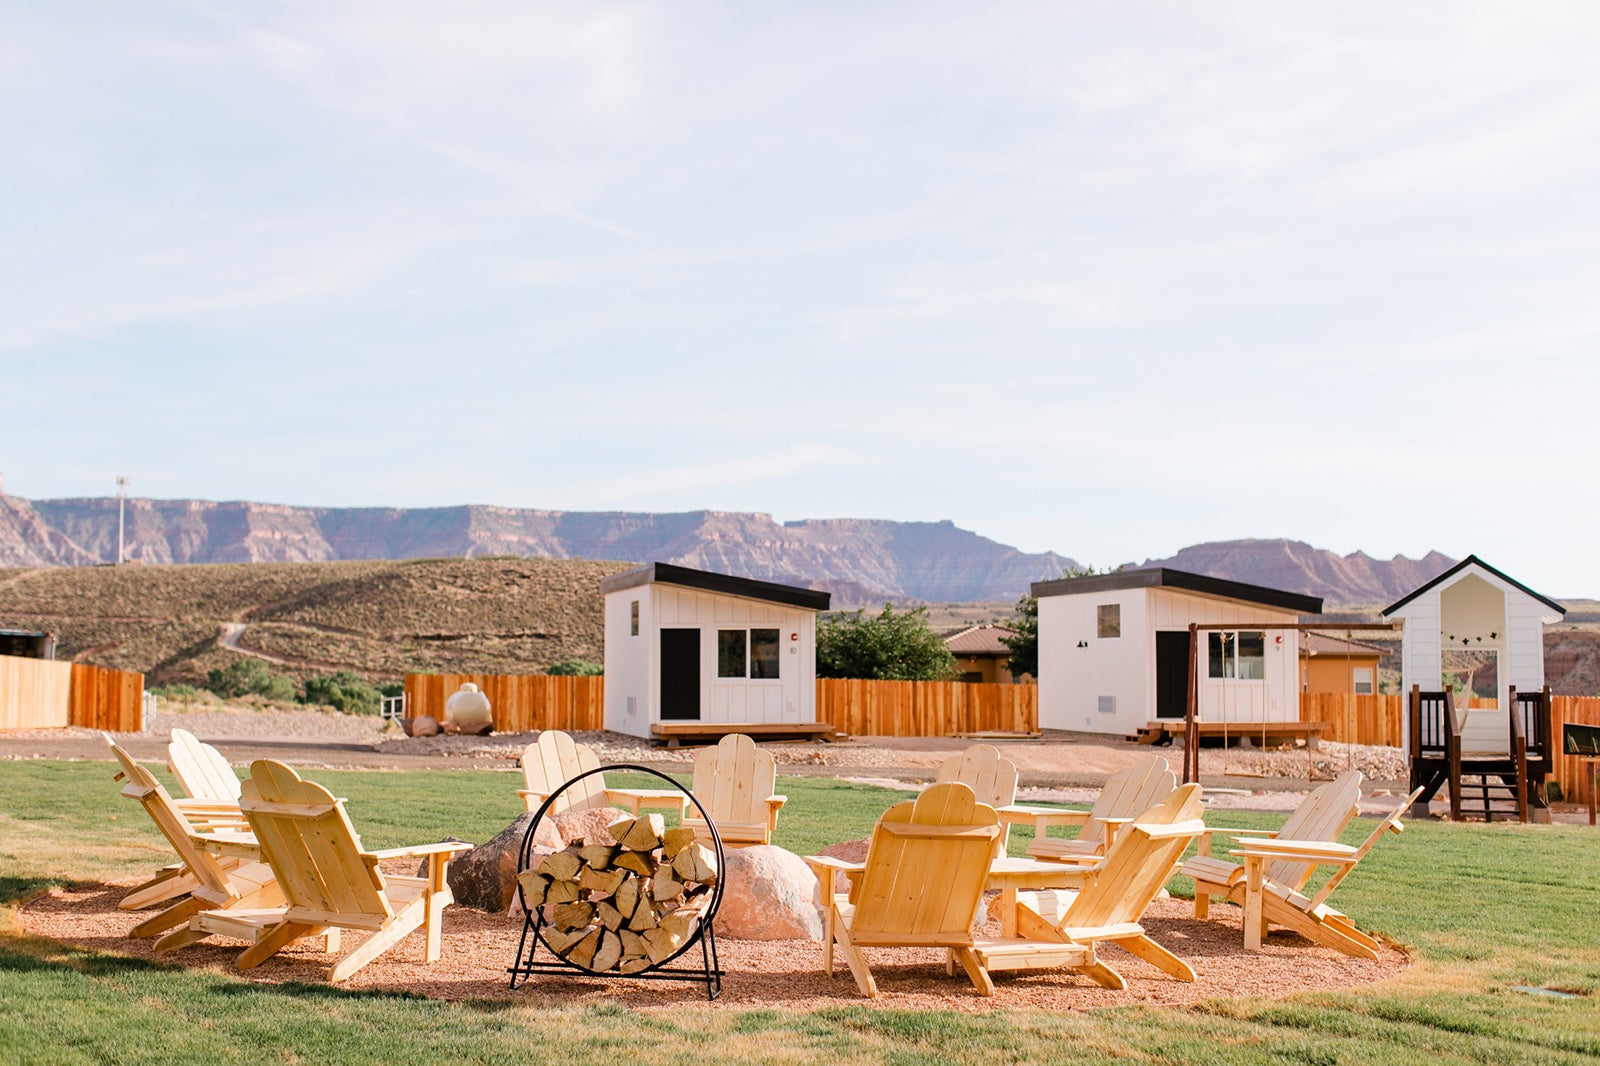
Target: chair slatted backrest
x: 202, y: 770
x: 142, y: 785
x: 734, y: 779
x: 1321, y: 816
x: 926, y: 866
x: 1391, y: 824
x: 1129, y: 793
x: 554, y: 759
x: 313, y: 850
x: 990, y: 775
x: 1142, y: 857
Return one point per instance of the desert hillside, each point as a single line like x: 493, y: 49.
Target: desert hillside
x: 504, y: 615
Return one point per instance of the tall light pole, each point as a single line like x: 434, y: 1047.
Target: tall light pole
x: 122, y: 499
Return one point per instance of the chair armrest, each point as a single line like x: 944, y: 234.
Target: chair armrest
x: 828, y: 862
x: 531, y: 799
x: 1205, y: 838
x: 452, y: 847
x: 1041, y: 816
x: 774, y: 802
x: 1299, y: 850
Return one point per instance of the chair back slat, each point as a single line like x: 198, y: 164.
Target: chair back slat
x: 554, y: 759
x: 307, y: 838
x: 1321, y: 816
x: 990, y: 775
x: 734, y: 779
x: 927, y: 884
x: 201, y: 769
x: 1128, y: 793
x: 141, y: 785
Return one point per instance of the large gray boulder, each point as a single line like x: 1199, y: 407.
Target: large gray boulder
x: 485, y: 877
x: 767, y: 894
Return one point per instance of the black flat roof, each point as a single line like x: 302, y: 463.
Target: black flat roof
x: 1471, y: 560
x: 706, y: 581
x: 1166, y: 577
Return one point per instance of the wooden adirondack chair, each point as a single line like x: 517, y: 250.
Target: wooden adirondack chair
x: 329, y: 881
x: 1321, y: 817
x: 735, y: 781
x: 920, y: 885
x: 1126, y: 795
x: 555, y: 758
x: 1267, y: 903
x: 991, y: 776
x: 209, y: 881
x: 1108, y: 908
x: 202, y: 770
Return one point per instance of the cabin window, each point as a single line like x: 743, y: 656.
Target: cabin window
x: 633, y: 619
x: 1242, y: 655
x: 748, y: 653
x: 1108, y: 620
x: 1361, y: 680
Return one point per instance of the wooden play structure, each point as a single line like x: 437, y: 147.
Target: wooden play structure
x: 1478, y: 716
x: 735, y: 781
x: 328, y: 881
x: 555, y: 758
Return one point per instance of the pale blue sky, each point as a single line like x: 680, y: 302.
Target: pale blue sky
x: 1108, y: 279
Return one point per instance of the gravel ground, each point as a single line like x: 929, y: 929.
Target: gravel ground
x: 478, y: 947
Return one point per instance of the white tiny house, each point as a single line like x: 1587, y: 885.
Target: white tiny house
x: 1114, y: 650
x: 1478, y: 631
x: 684, y: 646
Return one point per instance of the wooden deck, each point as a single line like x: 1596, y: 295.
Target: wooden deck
x: 675, y: 734
x: 1166, y: 730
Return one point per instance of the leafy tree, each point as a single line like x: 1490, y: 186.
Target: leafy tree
x: 1024, y: 644
x: 885, y: 647
x: 575, y: 668
x: 344, y: 690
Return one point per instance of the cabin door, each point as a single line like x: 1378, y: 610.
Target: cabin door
x: 680, y: 674
x: 1172, y: 674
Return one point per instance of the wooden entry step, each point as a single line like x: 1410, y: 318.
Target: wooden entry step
x: 1166, y: 730
x: 674, y: 734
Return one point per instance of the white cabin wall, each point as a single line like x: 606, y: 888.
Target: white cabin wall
x: 1274, y: 698
x: 789, y: 698
x: 630, y: 663
x: 1072, y: 679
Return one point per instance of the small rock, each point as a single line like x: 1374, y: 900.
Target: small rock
x: 476, y: 729
x: 767, y: 894
x: 420, y: 726
x: 849, y: 851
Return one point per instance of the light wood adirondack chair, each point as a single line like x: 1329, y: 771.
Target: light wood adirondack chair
x: 202, y: 770
x: 1321, y: 817
x: 735, y: 781
x: 920, y: 885
x: 1108, y: 908
x: 555, y: 758
x: 329, y: 881
x: 209, y: 881
x: 1267, y: 903
x: 1127, y: 794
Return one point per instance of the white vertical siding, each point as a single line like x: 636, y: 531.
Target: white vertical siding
x: 630, y: 663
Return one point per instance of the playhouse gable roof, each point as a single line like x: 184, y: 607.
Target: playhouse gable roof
x: 706, y: 581
x: 1166, y: 577
x: 1471, y: 561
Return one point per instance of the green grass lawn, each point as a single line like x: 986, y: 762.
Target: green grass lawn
x: 1484, y: 908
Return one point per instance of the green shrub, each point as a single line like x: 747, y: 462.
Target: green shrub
x: 575, y: 668
x: 249, y: 677
x: 886, y: 646
x: 344, y: 690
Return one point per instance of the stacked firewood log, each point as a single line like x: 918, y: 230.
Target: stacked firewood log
x: 625, y: 901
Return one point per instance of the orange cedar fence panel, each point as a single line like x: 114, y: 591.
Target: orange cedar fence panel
x: 1355, y: 719
x: 106, y: 699
x: 519, y: 703
x: 1573, y: 775
x: 925, y: 708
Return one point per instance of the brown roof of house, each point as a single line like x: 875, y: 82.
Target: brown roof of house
x: 979, y: 640
x: 1318, y: 644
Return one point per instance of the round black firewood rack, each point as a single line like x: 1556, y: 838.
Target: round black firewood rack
x: 528, y: 963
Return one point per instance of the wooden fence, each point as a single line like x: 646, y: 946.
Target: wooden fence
x: 926, y: 708
x: 1573, y: 775
x: 107, y: 699
x: 42, y: 694
x: 1355, y: 719
x: 518, y: 702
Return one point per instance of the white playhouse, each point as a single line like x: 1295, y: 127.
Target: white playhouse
x: 693, y: 654
x: 1474, y: 630
x: 1114, y: 650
